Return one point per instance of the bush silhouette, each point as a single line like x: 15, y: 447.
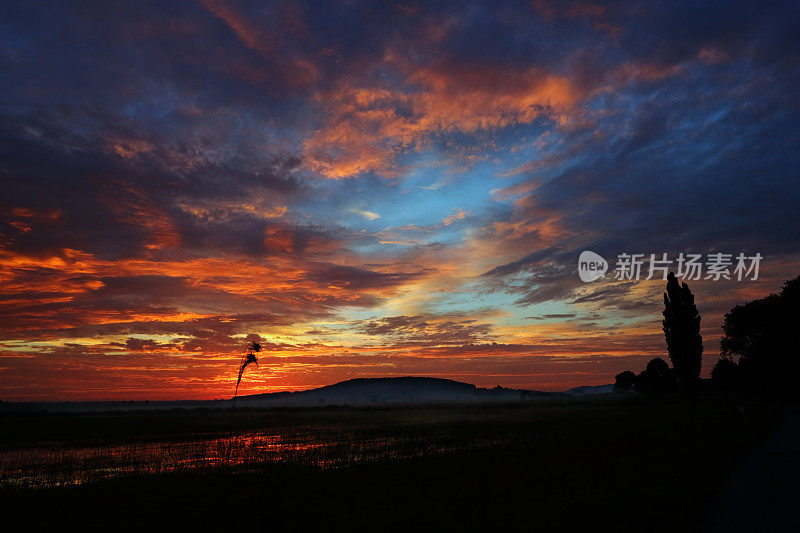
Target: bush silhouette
x: 681, y: 327
x: 726, y: 373
x: 657, y: 378
x: 624, y: 381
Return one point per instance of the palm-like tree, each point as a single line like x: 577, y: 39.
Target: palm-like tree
x: 248, y: 357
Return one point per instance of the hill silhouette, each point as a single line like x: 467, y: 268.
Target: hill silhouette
x: 358, y: 391
x: 387, y: 390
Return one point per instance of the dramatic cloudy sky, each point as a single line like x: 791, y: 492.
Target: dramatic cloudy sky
x: 377, y: 188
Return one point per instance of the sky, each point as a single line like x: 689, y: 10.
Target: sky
x: 378, y: 188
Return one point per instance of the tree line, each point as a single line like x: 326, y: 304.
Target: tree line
x: 758, y: 351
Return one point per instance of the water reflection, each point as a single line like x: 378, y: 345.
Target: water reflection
x: 58, y: 464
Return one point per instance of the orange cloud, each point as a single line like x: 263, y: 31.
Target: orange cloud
x: 367, y: 126
x: 455, y: 217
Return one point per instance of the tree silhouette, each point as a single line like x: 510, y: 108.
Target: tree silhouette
x: 248, y: 357
x: 762, y: 334
x: 681, y: 326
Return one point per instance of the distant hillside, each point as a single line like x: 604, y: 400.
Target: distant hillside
x: 587, y: 390
x: 360, y: 391
x: 387, y: 390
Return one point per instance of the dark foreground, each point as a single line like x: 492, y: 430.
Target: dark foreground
x: 627, y: 463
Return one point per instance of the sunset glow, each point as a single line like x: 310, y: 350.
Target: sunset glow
x: 376, y: 189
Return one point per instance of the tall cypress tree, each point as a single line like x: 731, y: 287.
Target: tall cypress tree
x: 682, y: 331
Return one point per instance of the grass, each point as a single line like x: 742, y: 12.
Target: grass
x: 624, y: 462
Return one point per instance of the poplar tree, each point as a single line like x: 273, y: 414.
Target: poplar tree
x: 681, y: 326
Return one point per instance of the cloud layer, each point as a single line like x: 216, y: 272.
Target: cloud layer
x: 377, y: 189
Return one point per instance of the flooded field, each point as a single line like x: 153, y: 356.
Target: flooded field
x: 52, y: 464
x: 549, y: 466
